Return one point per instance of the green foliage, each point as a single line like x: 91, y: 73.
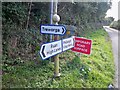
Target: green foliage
x: 115, y: 24
x: 94, y: 71
x: 18, y: 40
x: 108, y: 21
x: 14, y: 13
x: 100, y: 59
x: 81, y: 13
x: 22, y: 65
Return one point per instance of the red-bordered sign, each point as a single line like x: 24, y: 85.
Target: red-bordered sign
x: 82, y: 45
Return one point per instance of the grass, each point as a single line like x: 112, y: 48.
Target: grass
x: 77, y: 71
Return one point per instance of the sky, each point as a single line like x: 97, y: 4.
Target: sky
x: 114, y: 10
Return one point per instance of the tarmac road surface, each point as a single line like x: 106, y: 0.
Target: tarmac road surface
x: 114, y: 36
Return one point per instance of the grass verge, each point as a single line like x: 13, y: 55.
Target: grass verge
x: 77, y: 71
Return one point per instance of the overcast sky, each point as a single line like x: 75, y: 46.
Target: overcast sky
x: 114, y: 10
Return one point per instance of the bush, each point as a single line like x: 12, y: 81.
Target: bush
x: 115, y: 25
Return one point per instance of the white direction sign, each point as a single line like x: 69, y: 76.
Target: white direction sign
x: 53, y: 29
x: 50, y: 49
x: 68, y: 43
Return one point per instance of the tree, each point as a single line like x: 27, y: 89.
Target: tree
x: 26, y: 41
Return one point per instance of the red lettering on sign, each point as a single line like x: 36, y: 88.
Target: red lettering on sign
x: 82, y: 45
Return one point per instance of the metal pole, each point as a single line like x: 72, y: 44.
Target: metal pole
x: 56, y: 19
x: 51, y: 15
x: 51, y: 21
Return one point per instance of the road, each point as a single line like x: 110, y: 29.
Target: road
x: 114, y: 35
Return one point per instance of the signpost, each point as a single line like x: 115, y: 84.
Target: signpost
x: 53, y: 29
x: 54, y: 48
x: 68, y: 43
x: 50, y: 49
x: 77, y: 44
x: 82, y: 45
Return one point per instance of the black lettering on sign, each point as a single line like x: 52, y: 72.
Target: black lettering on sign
x: 53, y: 45
x: 51, y: 29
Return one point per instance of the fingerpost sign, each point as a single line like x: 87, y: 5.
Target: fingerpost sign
x: 53, y: 29
x: 50, y: 49
x: 68, y: 43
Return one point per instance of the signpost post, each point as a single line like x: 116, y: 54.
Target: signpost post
x: 56, y: 19
x: 82, y: 45
x: 48, y: 50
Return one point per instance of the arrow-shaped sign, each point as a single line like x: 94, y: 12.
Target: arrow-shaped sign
x: 53, y: 29
x: 68, y: 43
x: 50, y: 49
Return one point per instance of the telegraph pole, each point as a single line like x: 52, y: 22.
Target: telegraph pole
x: 56, y: 19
